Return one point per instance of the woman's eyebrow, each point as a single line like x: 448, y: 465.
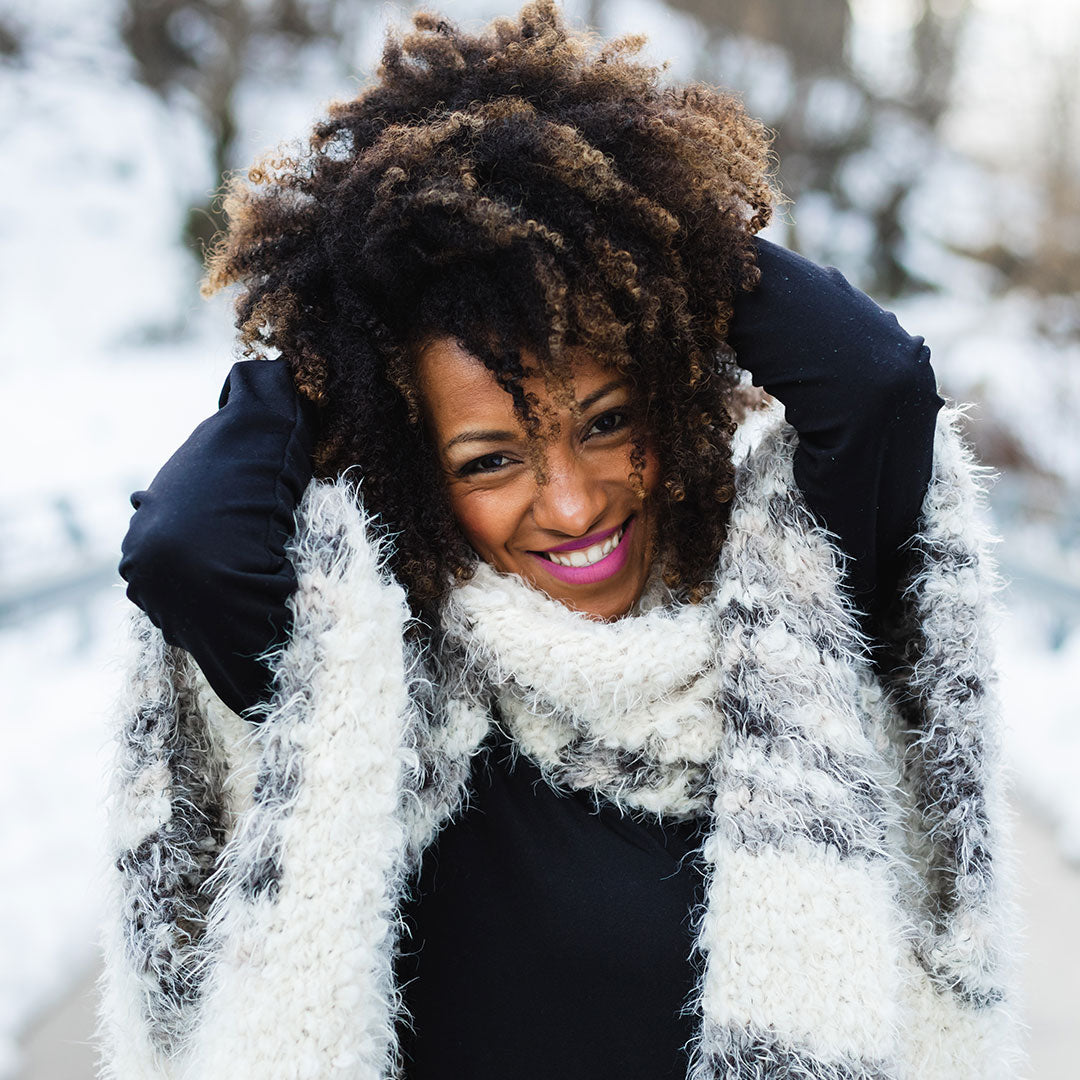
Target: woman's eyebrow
x: 480, y: 436
x: 596, y: 395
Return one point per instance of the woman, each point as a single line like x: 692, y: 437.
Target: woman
x: 565, y: 751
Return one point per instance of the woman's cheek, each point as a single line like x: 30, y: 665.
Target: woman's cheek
x: 487, y: 521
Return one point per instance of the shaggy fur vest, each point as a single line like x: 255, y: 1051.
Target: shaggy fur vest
x: 857, y: 923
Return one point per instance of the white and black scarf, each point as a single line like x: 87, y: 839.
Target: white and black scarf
x: 857, y: 924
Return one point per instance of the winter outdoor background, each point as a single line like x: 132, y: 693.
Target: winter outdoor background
x: 931, y: 149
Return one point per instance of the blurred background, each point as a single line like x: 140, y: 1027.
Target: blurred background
x: 930, y: 149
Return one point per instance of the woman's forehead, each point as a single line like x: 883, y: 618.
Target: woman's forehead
x: 456, y: 387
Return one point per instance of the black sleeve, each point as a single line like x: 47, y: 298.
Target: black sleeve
x: 204, y: 555
x: 863, y: 397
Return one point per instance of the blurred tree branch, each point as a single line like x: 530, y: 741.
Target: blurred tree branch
x: 813, y: 32
x: 1048, y: 263
x: 10, y: 40
x: 814, y: 36
x: 831, y: 123
x: 206, y: 48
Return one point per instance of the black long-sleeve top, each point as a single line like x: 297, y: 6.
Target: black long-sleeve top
x: 548, y: 939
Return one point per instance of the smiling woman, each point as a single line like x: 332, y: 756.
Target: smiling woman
x: 498, y: 724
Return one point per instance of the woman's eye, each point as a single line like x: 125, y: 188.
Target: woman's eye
x: 486, y: 464
x: 608, y: 422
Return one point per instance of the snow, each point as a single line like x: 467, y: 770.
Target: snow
x: 990, y: 350
x: 1038, y: 694
x: 108, y: 359
x: 59, y: 680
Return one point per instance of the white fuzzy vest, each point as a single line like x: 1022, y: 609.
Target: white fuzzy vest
x: 857, y: 923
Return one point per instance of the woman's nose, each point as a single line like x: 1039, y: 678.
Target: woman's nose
x: 572, y: 499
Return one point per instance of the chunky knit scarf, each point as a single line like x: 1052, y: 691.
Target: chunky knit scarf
x: 856, y: 925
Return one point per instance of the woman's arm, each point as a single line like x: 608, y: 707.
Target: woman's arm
x: 205, y: 552
x: 861, y: 394
x: 204, y: 555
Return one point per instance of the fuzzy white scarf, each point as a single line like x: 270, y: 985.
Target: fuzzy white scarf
x: 857, y: 923
x: 627, y: 710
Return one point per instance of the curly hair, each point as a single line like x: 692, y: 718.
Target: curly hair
x: 524, y: 187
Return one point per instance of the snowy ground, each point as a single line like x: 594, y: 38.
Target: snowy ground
x: 58, y: 682
x: 106, y: 363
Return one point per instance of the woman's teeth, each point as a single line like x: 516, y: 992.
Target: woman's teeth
x: 586, y: 556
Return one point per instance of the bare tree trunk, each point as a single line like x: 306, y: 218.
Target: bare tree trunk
x: 208, y: 47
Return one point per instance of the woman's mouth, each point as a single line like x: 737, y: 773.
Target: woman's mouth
x: 585, y: 565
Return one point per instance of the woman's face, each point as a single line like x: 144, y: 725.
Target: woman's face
x: 583, y: 536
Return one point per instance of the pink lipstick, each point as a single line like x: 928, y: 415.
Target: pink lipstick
x: 598, y: 568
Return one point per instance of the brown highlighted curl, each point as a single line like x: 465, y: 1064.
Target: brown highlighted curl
x: 523, y: 187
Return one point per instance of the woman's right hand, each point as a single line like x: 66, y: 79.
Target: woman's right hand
x: 204, y: 555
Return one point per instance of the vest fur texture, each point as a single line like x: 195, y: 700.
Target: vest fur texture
x: 858, y: 922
